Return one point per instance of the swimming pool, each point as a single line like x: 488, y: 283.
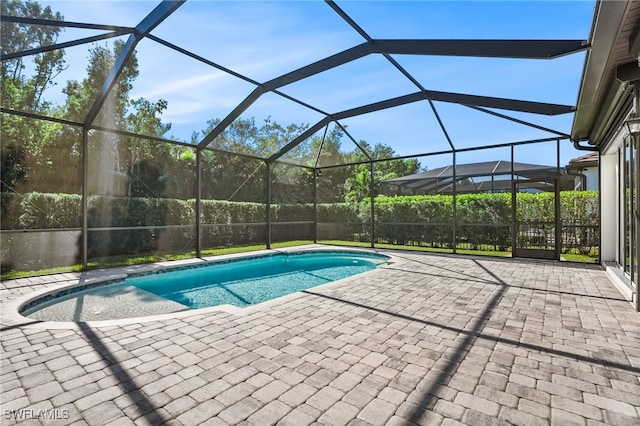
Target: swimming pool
x: 239, y: 282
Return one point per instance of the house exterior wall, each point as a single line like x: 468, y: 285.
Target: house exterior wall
x: 607, y: 113
x: 588, y: 175
x: 619, y: 201
x: 591, y: 173
x: 609, y: 204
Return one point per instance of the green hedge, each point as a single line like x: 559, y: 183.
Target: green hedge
x: 41, y: 211
x: 422, y: 220
x: 581, y: 221
x: 339, y: 213
x: 482, y: 219
x: 228, y: 223
x: 116, y: 212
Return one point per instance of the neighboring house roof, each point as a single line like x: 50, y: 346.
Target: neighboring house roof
x: 441, y: 180
x: 589, y: 160
x: 605, y: 93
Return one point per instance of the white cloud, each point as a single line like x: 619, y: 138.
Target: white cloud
x: 265, y: 39
x: 168, y: 87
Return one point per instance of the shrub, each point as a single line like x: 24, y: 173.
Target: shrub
x: 49, y: 211
x: 482, y: 219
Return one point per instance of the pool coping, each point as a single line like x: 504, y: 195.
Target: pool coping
x: 11, y: 316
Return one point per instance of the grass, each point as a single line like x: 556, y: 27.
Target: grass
x: 127, y: 260
x: 10, y: 275
x: 570, y: 257
x: 418, y: 248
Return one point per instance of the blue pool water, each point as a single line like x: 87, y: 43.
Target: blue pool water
x: 240, y: 282
x: 251, y: 281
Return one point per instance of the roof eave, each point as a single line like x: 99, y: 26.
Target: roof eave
x: 601, y: 94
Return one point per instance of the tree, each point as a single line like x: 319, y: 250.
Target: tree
x: 398, y: 167
x: 23, y: 81
x: 232, y: 177
x: 358, y: 185
x: 181, y: 173
x: 138, y: 156
x: 331, y: 181
x: 19, y: 91
x: 226, y: 176
x: 13, y: 167
x: 81, y: 95
x: 113, y: 157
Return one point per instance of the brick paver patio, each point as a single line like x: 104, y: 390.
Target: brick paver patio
x: 428, y: 339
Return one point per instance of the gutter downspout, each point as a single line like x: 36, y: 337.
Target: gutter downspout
x: 583, y: 178
x: 636, y: 142
x: 576, y: 145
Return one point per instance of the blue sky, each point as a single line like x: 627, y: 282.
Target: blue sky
x: 264, y: 39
